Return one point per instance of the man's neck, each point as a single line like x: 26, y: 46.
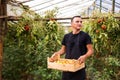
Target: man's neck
x: 75, y: 31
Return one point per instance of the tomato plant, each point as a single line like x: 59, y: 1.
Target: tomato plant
x: 105, y: 33
x: 28, y: 43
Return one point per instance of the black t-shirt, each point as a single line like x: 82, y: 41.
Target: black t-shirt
x: 75, y: 47
x: 76, y: 44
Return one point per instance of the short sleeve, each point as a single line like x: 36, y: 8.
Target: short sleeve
x: 64, y: 40
x: 88, y: 39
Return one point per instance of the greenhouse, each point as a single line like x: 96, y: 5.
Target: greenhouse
x: 46, y: 39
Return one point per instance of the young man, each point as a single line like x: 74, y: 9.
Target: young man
x: 76, y: 45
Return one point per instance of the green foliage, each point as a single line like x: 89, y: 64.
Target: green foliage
x: 105, y: 33
x: 27, y: 45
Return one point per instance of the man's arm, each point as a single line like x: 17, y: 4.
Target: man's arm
x: 60, y: 52
x: 88, y: 54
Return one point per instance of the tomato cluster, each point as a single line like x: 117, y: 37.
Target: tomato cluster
x: 100, y: 25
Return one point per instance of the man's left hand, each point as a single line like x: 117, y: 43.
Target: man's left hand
x: 82, y: 59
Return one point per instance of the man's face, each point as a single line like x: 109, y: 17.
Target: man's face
x: 76, y: 23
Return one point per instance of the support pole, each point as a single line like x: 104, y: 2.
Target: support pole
x: 113, y: 6
x: 3, y: 26
x: 100, y: 6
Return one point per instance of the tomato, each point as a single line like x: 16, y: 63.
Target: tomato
x: 27, y: 28
x: 97, y: 31
x: 95, y: 40
x: 99, y: 21
x: 103, y: 27
x: 52, y: 19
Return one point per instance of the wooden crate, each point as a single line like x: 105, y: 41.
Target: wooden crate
x: 70, y: 65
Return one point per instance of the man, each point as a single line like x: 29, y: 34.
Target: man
x: 76, y: 45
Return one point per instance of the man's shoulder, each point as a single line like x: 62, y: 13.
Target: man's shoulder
x: 84, y: 33
x: 67, y: 34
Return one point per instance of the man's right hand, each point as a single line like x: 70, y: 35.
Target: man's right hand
x: 54, y: 57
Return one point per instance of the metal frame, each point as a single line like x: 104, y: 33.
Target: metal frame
x: 67, y: 7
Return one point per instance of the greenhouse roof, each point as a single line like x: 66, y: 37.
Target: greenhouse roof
x: 69, y: 8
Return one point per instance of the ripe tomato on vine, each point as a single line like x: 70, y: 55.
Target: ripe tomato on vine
x: 103, y: 27
x: 99, y: 21
x: 27, y: 27
x: 97, y: 31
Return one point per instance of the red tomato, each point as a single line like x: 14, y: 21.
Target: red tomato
x: 97, y: 31
x: 27, y: 28
x: 103, y: 27
x: 99, y: 21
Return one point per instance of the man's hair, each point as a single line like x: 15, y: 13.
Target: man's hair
x: 75, y: 17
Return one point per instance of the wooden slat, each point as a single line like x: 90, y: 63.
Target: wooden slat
x: 3, y: 17
x: 18, y: 17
